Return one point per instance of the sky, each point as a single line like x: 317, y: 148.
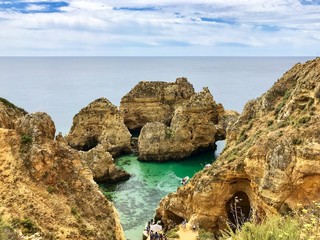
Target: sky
x: 160, y: 28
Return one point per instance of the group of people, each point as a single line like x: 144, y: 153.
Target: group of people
x: 154, y: 235
x: 157, y: 236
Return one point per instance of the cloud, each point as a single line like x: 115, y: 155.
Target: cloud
x: 104, y: 27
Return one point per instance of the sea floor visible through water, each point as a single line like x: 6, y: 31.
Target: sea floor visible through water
x: 137, y: 199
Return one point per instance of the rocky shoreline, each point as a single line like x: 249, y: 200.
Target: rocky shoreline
x: 271, y: 159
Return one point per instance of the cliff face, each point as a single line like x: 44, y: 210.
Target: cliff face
x: 46, y: 189
x: 9, y: 114
x: 271, y: 161
x: 194, y: 126
x: 99, y: 123
x: 154, y: 102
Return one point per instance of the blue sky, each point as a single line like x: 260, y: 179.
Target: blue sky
x: 160, y: 28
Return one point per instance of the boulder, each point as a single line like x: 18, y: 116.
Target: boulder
x: 102, y: 165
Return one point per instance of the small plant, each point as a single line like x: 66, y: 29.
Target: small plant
x: 269, y: 123
x: 296, y: 141
x: 25, y: 139
x: 168, y: 133
x: 50, y: 189
x: 203, y: 235
x: 304, y: 119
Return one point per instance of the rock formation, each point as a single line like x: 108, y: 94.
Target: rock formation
x: 99, y: 123
x: 102, y: 165
x: 46, y: 191
x: 193, y: 127
x: 9, y: 114
x: 271, y: 162
x: 154, y: 102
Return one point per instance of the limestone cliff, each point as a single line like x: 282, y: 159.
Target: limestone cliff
x: 9, y: 114
x: 271, y: 161
x: 194, y: 126
x: 99, y: 123
x: 46, y: 190
x: 154, y: 102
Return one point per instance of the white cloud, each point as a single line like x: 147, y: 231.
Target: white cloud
x: 228, y: 26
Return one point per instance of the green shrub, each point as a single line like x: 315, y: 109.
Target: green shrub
x: 25, y: 139
x: 168, y: 133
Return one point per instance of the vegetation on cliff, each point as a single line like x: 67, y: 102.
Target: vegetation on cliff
x: 271, y: 160
x: 46, y: 190
x: 303, y: 224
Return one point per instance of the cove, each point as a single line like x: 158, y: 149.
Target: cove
x: 137, y: 198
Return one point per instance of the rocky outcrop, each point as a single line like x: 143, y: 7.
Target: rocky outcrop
x: 271, y: 162
x: 99, y: 123
x: 9, y: 114
x: 102, y: 166
x: 193, y: 127
x: 154, y: 102
x: 46, y: 191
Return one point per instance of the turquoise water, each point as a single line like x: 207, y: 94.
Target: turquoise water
x: 137, y: 199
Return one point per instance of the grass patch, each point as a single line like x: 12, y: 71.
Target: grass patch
x: 203, y: 235
x: 26, y: 225
x: 304, y: 120
x: 283, y: 102
x: 300, y: 225
x: 7, y: 231
x: 172, y: 233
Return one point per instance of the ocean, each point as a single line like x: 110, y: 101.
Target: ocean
x: 61, y: 86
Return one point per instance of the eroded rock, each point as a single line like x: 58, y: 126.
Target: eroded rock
x: 271, y: 160
x: 102, y: 165
x: 193, y: 127
x: 99, y: 123
x: 154, y: 102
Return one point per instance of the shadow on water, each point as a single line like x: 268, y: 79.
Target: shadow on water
x: 137, y: 199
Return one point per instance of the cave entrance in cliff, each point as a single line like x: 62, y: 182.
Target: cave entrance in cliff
x: 238, y: 209
x: 90, y: 143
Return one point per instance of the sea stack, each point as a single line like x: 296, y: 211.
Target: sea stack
x: 193, y: 128
x: 154, y: 102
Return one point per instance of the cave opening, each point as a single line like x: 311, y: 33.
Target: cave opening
x: 91, y: 142
x: 238, y: 210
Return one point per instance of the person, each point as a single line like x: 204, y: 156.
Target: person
x: 194, y: 227
x: 184, y: 224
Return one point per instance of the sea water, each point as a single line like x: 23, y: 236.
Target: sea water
x: 137, y: 198
x: 62, y: 86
